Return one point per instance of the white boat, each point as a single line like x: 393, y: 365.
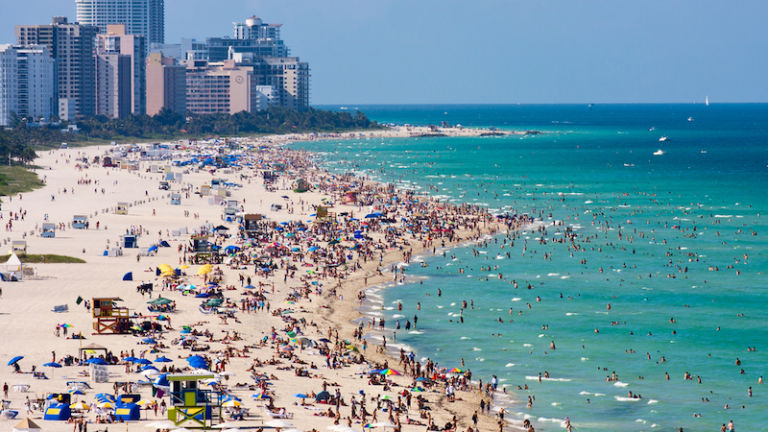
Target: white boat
x: 690, y: 119
x: 664, y: 139
x: 658, y: 152
x: 706, y: 101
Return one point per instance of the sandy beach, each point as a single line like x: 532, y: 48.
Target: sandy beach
x: 296, y: 329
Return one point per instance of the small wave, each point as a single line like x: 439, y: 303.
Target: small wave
x: 476, y: 349
x: 620, y: 384
x: 509, y: 365
x: 723, y: 216
x: 626, y: 399
x: 652, y: 401
x: 416, y: 332
x: 465, y: 338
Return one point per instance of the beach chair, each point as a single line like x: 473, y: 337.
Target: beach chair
x: 39, y: 375
x: 275, y: 415
x: 60, y: 308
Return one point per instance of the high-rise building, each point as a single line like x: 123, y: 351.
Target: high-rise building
x: 26, y: 83
x: 223, y: 88
x: 116, y: 41
x: 166, y: 84
x: 72, y: 48
x: 141, y: 17
x: 113, y: 85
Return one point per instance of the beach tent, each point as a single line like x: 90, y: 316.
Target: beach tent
x: 128, y: 276
x: 58, y: 412
x: 13, y: 264
x: 128, y: 412
x: 26, y: 425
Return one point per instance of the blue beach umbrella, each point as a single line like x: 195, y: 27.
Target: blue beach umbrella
x: 14, y: 360
x: 142, y: 361
x: 149, y: 340
x: 74, y: 392
x: 163, y: 359
x: 148, y: 367
x: 52, y: 365
x: 97, y: 361
x: 130, y: 359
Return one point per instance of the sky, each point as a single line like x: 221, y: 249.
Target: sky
x: 493, y: 51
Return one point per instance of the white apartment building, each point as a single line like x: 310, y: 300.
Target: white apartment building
x: 141, y: 17
x: 26, y: 83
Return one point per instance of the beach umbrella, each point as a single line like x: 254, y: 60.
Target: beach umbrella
x: 323, y: 395
x: 455, y: 370
x: 341, y: 428
x: 52, y: 365
x: 14, y: 360
x: 152, y: 248
x: 103, y: 397
x: 144, y: 402
x: 231, y: 403
x: 80, y: 406
x: 160, y: 301
x: 260, y: 396
x: 204, y: 270
x: 149, y: 340
x: 301, y: 395
x: 142, y: 361
x: 130, y: 359
x: 97, y: 361
x: 106, y: 405
x: 75, y: 391
x: 163, y: 359
x: 148, y: 367
x: 26, y: 425
x: 389, y: 372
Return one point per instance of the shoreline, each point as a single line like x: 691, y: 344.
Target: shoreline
x: 103, y: 269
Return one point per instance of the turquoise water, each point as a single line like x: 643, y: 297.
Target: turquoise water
x: 657, y: 237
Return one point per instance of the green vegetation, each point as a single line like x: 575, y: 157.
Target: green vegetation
x: 44, y: 259
x: 20, y: 141
x: 15, y: 179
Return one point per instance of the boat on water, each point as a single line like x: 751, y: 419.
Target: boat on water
x: 664, y: 139
x: 690, y: 119
x: 706, y: 101
x: 658, y: 152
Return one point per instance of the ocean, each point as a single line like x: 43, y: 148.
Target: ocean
x: 666, y: 274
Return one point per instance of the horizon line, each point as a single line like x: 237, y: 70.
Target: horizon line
x: 532, y: 103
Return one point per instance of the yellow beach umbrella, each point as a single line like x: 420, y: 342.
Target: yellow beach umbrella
x: 231, y: 403
x: 108, y: 405
x: 144, y: 402
x: 204, y: 270
x: 81, y: 406
x: 184, y: 267
x: 165, y: 268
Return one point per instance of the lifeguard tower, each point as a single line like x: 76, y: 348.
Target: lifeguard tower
x: 49, y: 230
x: 130, y: 241
x: 323, y: 215
x: 19, y: 247
x: 109, y: 318
x: 192, y: 407
x: 122, y: 208
x: 80, y: 222
x: 300, y: 186
x: 251, y: 224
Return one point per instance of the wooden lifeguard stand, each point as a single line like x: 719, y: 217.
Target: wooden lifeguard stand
x: 192, y: 406
x: 109, y: 318
x: 323, y: 215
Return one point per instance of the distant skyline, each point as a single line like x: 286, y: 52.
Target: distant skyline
x: 492, y: 51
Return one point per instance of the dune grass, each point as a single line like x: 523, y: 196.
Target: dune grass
x: 15, y: 179
x: 44, y: 259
